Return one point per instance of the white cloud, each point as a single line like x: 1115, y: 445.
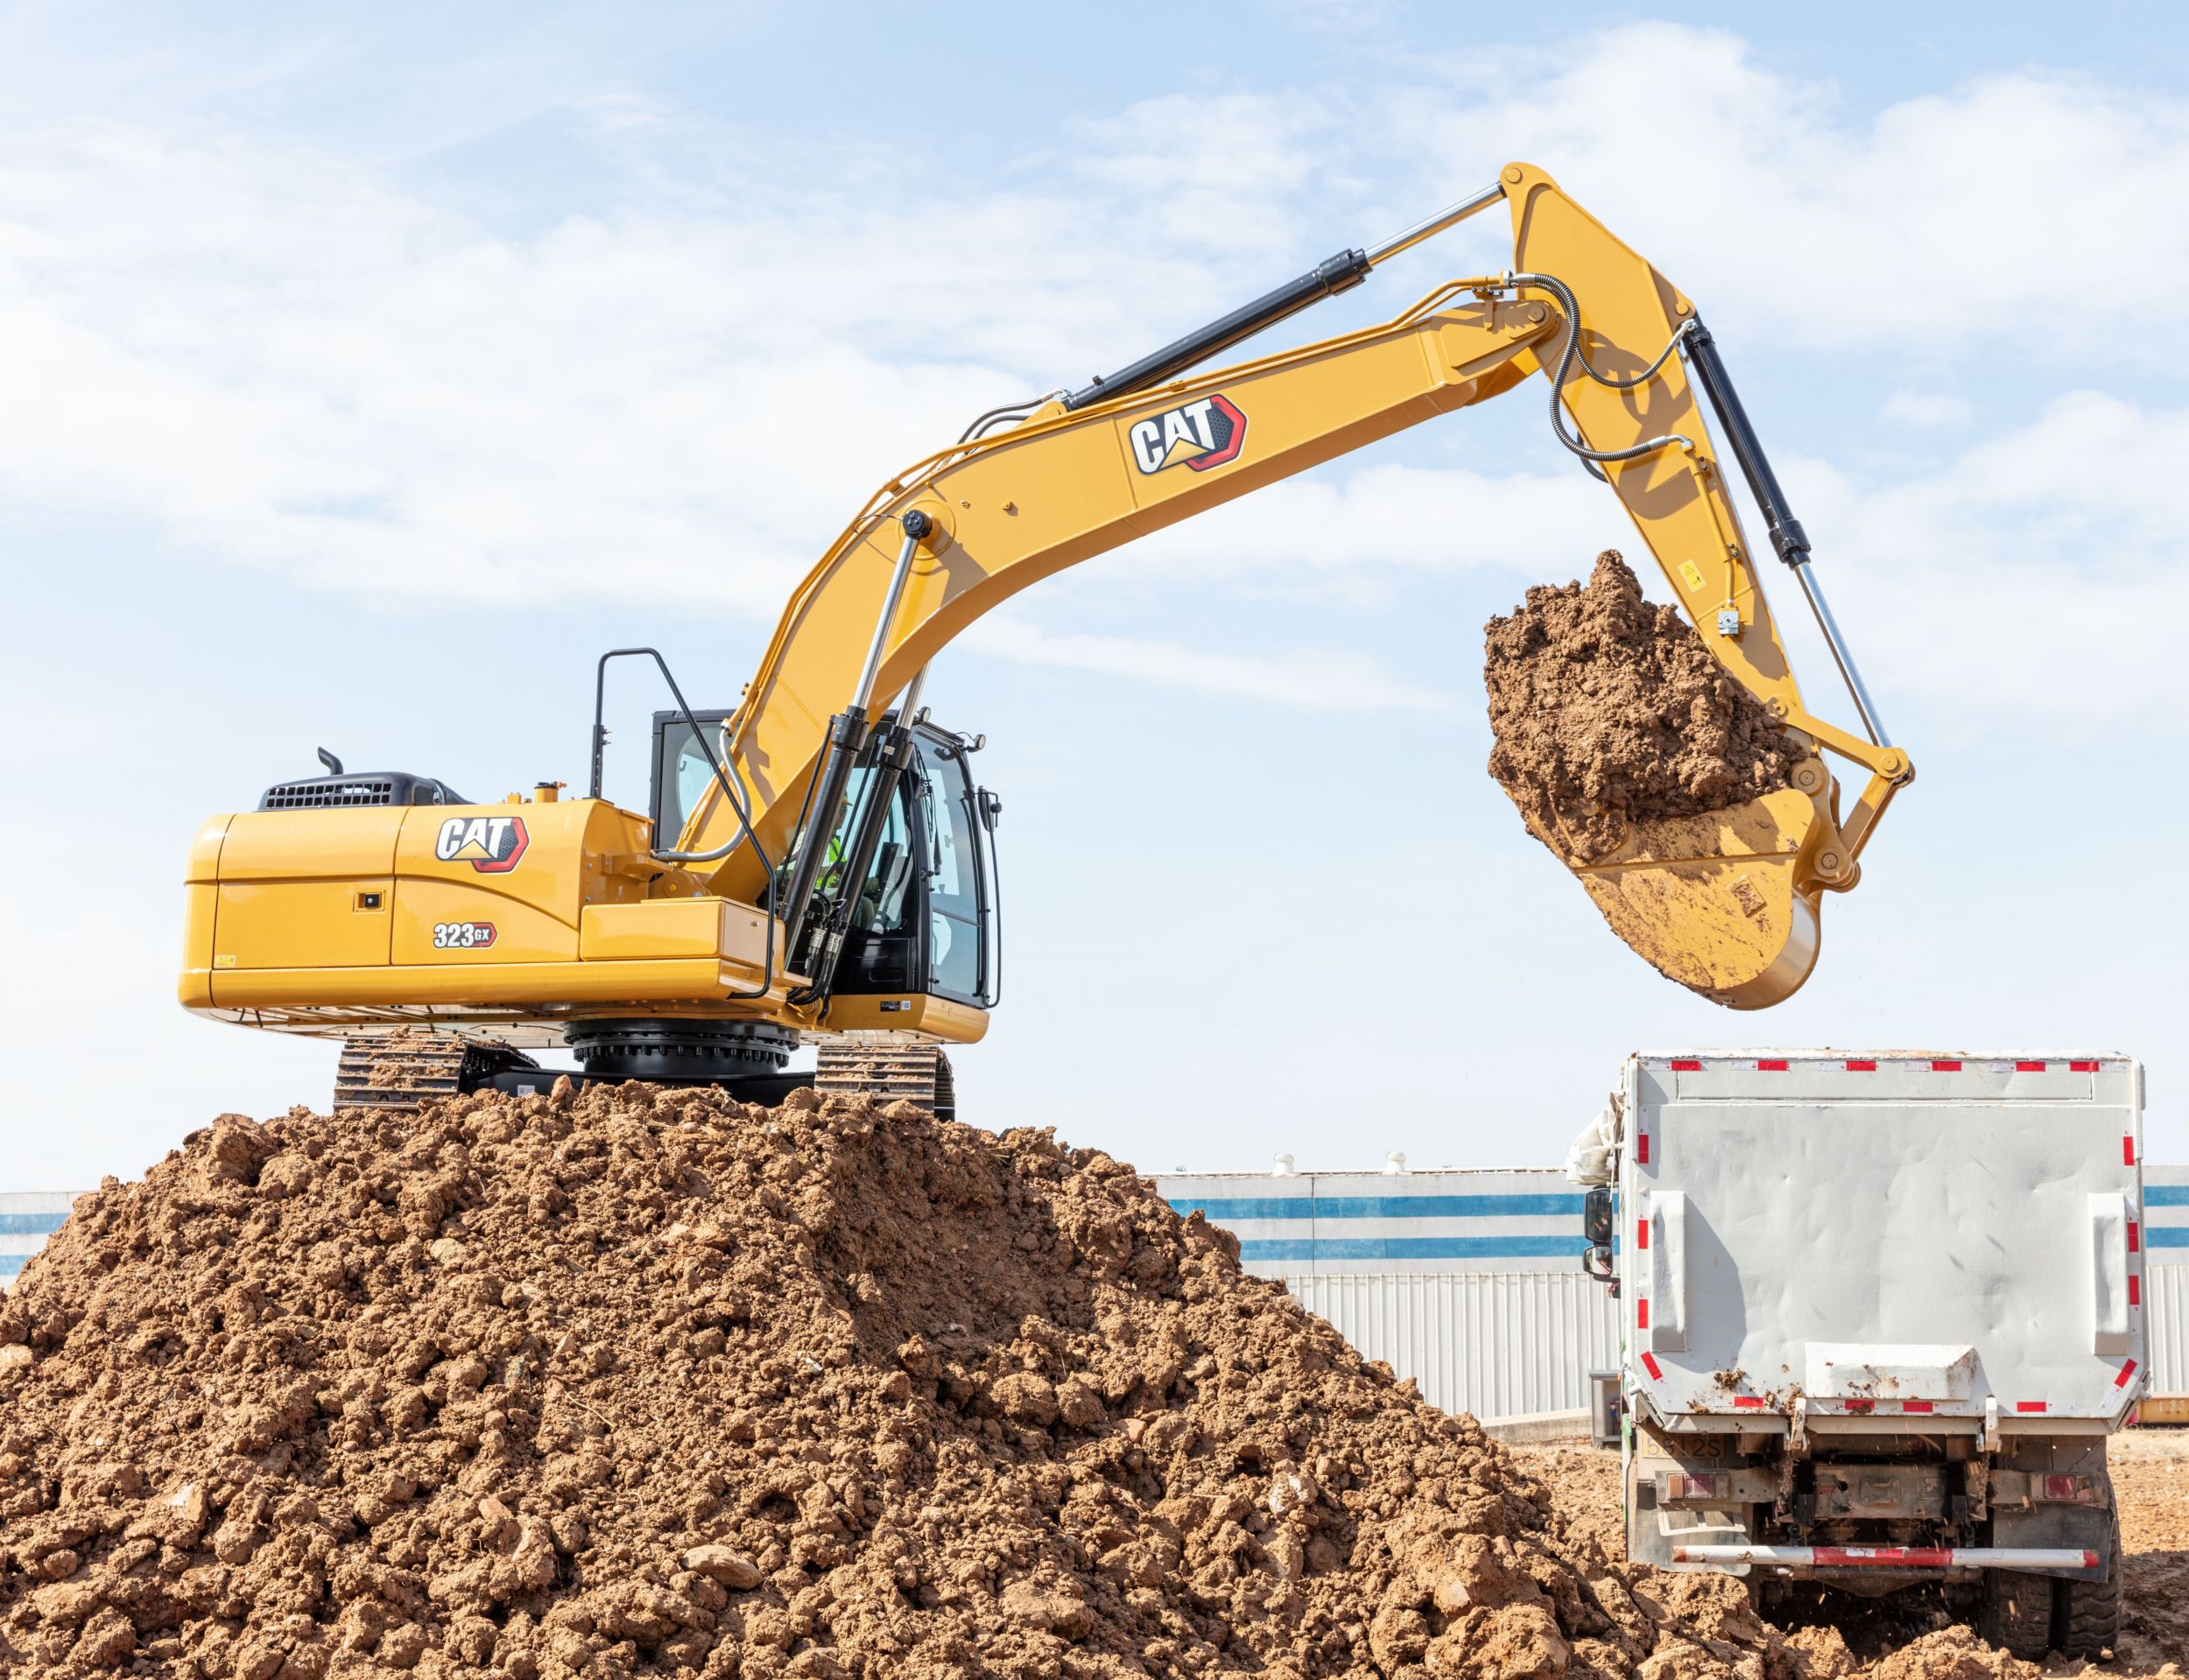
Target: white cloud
x: 279, y: 360
x: 1974, y: 213
x: 2035, y: 580
x: 1322, y: 680
x: 1926, y: 408
x: 1215, y: 169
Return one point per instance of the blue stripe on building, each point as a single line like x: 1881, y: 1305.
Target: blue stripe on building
x: 29, y: 1225
x: 2167, y: 1236
x: 11, y: 1264
x: 2167, y: 1195
x: 1316, y: 1248
x: 1382, y: 1208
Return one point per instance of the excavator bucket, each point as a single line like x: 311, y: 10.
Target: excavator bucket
x: 1725, y: 902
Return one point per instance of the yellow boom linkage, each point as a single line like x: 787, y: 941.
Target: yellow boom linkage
x: 352, y: 920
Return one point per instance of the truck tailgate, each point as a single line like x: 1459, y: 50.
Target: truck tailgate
x: 1884, y: 1236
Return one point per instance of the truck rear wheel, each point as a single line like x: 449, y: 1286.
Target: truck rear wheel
x: 2018, y: 1612
x: 2090, y: 1610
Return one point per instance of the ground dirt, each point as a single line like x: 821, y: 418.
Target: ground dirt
x: 645, y: 1382
x: 1606, y: 711
x: 1911, y: 1635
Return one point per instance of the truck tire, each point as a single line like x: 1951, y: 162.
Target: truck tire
x: 2090, y: 1610
x: 2017, y: 1615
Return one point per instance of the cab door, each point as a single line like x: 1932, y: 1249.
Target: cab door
x: 951, y: 820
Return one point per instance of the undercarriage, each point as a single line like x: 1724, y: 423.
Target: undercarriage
x: 398, y: 1073
x: 2021, y: 1533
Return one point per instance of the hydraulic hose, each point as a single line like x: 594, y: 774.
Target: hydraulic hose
x: 987, y: 422
x: 1572, y: 353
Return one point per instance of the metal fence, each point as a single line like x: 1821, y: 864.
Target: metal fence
x: 25, y: 1222
x: 1494, y: 1344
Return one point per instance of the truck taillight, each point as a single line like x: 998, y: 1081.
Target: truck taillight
x: 2073, y: 1490
x: 1696, y: 1485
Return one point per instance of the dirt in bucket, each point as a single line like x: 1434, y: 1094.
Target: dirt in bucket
x: 1607, y: 710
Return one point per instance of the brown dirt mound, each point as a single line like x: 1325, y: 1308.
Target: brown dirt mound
x: 1608, y: 710
x: 649, y: 1382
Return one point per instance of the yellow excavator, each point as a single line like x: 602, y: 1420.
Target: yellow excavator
x: 819, y: 865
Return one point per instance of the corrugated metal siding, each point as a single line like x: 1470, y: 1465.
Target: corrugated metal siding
x: 26, y: 1219
x: 1527, y: 1220
x: 2166, y: 1328
x: 2166, y: 1278
x: 1490, y: 1343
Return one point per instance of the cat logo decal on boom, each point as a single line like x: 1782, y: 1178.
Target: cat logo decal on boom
x: 492, y: 844
x: 1203, y: 433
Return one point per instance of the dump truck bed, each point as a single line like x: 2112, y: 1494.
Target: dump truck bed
x: 1843, y: 1243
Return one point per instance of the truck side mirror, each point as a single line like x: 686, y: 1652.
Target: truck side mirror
x: 1597, y: 1219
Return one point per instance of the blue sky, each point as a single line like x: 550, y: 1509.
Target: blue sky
x: 361, y: 376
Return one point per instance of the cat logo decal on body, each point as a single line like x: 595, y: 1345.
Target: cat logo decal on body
x: 1205, y: 432
x: 490, y: 845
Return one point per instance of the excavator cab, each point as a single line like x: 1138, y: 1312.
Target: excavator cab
x: 923, y: 919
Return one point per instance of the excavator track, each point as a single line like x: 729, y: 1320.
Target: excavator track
x: 889, y: 1071
x: 396, y: 1075
x: 400, y: 1073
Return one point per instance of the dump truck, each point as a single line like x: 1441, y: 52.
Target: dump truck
x: 1879, y: 1314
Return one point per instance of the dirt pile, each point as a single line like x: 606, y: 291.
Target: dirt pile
x: 1607, y: 710
x: 649, y: 1382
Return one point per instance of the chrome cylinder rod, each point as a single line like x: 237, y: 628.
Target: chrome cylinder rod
x: 1840, y: 657
x: 908, y: 705
x: 916, y: 524
x: 1788, y: 537
x: 1449, y: 217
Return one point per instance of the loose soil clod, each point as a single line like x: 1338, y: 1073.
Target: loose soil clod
x: 1606, y: 711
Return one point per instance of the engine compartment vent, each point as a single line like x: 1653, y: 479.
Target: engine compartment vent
x: 374, y: 788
